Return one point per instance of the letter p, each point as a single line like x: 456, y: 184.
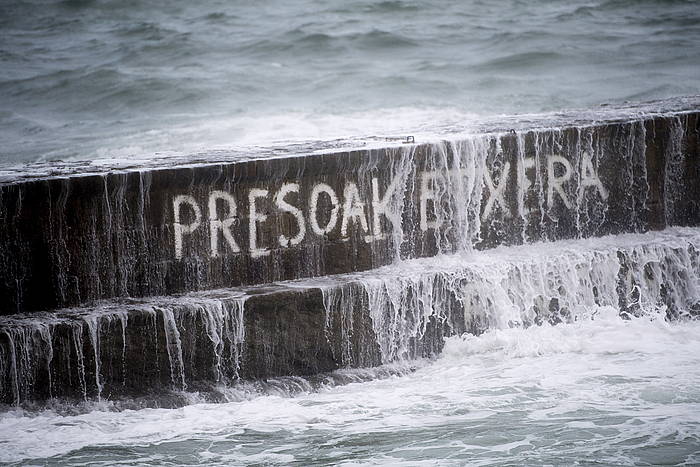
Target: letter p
x: 180, y: 228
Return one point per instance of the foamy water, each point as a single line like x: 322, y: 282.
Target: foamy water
x: 137, y: 84
x: 598, y: 388
x: 603, y: 390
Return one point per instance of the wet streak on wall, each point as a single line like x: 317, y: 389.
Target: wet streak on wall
x: 68, y: 241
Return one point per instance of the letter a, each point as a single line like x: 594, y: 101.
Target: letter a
x: 589, y: 177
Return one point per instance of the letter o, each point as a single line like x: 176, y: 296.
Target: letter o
x: 313, y: 207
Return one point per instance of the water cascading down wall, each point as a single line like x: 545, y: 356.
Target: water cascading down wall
x: 135, y: 282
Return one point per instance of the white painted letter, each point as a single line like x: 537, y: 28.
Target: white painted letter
x: 216, y: 224
x: 589, y: 177
x: 524, y: 184
x: 555, y: 183
x: 353, y: 207
x: 381, y: 207
x: 496, y: 192
x: 253, y: 220
x: 313, y: 207
x: 293, y: 210
x: 427, y: 192
x: 179, y: 228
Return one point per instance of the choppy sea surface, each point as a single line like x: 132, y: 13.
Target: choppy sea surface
x: 602, y: 391
x: 121, y: 79
x: 87, y: 79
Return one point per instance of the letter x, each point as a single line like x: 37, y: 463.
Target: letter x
x: 496, y: 192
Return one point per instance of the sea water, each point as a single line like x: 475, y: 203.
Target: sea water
x: 108, y: 79
x: 601, y: 388
x: 603, y: 391
x: 87, y: 79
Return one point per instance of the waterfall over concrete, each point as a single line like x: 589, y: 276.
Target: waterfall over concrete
x: 70, y: 239
x: 153, y: 283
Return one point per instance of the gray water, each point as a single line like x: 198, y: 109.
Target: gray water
x: 602, y: 391
x: 124, y: 79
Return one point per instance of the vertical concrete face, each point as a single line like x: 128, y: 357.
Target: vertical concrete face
x: 682, y: 170
x: 72, y: 240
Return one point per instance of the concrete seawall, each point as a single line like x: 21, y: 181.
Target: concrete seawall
x: 156, y: 282
x: 70, y: 240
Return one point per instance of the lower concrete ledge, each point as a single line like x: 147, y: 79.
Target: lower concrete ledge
x: 199, y: 342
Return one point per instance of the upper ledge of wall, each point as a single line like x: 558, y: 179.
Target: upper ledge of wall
x: 67, y: 240
x: 605, y: 113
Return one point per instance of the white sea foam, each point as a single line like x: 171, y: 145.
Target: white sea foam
x: 617, y: 391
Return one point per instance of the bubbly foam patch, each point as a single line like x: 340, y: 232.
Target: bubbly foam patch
x: 630, y: 385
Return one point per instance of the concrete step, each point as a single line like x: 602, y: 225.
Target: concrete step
x: 203, y: 341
